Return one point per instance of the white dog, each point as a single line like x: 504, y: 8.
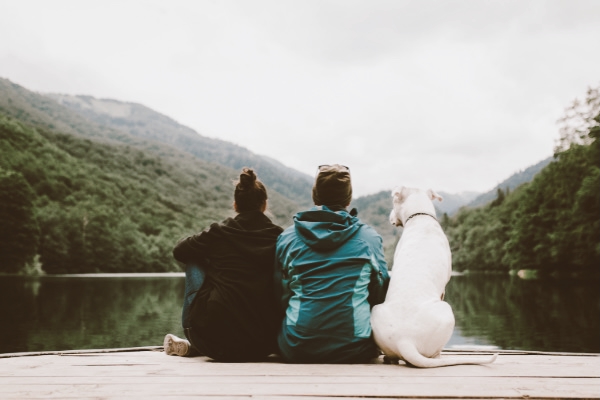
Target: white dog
x: 414, y: 323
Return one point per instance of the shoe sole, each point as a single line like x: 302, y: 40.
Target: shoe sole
x: 172, y: 345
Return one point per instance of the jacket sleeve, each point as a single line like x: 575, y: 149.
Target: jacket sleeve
x: 191, y: 249
x: 281, y: 297
x: 283, y: 293
x: 380, y: 277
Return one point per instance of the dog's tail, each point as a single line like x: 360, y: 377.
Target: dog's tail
x: 411, y: 355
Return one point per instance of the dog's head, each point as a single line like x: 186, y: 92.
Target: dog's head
x: 400, y: 210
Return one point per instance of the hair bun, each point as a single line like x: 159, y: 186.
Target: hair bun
x: 250, y: 193
x: 247, y: 178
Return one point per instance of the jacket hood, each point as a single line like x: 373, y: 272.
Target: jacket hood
x: 321, y: 228
x: 251, y: 232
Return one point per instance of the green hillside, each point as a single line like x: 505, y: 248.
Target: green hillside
x: 152, y: 132
x: 99, y: 207
x: 41, y: 112
x: 91, y: 185
x: 145, y: 123
x: 550, y: 225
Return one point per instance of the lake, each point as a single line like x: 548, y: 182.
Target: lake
x: 65, y: 313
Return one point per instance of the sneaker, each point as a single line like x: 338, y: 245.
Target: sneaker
x: 176, y: 346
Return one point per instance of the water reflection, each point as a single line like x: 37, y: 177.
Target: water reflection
x: 512, y: 313
x: 64, y: 313
x: 87, y: 313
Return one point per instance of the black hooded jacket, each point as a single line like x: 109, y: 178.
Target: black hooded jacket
x: 234, y: 316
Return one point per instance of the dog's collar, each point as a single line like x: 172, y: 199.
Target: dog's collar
x: 414, y: 215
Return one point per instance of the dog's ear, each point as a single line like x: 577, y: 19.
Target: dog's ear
x: 396, y: 193
x: 433, y: 195
x: 399, y: 194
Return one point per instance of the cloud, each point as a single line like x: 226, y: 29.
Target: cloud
x: 456, y: 95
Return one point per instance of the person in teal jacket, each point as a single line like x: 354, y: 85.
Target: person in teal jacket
x: 331, y: 271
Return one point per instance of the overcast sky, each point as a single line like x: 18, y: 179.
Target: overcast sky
x: 451, y: 95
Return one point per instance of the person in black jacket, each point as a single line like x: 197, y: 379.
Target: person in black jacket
x: 229, y: 313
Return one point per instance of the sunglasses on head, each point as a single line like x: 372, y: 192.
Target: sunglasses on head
x: 320, y: 168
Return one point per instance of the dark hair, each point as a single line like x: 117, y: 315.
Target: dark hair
x: 250, y: 193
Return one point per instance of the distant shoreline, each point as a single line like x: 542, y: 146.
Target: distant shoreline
x: 107, y: 275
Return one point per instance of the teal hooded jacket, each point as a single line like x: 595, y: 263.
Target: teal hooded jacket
x: 332, y: 271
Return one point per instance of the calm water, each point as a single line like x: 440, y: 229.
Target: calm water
x: 64, y: 313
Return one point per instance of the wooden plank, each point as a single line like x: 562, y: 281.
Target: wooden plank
x: 449, y: 387
x: 154, y: 375
x: 220, y: 381
x: 535, y: 366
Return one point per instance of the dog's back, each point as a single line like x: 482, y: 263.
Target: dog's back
x: 422, y: 262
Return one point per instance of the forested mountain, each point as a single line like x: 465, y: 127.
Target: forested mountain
x: 85, y: 206
x: 142, y: 122
x: 40, y: 112
x: 134, y: 124
x: 91, y: 198
x: 550, y: 225
x: 545, y: 218
x: 106, y: 186
x: 145, y: 123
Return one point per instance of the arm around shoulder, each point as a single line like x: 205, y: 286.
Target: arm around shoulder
x: 190, y: 249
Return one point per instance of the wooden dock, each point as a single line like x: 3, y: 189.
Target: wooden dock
x: 150, y: 374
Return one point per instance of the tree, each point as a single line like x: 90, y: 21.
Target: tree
x: 579, y: 118
x: 500, y: 196
x: 19, y: 231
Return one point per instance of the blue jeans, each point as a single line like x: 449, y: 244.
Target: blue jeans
x: 194, y: 278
